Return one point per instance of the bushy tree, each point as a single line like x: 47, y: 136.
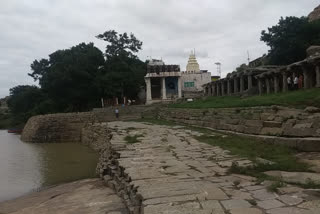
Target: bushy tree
x: 26, y: 101
x: 123, y: 73
x: 289, y: 39
x: 68, y: 77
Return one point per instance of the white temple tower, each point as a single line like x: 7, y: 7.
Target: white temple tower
x: 193, y: 65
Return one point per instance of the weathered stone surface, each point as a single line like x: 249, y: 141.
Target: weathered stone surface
x: 263, y: 194
x: 272, y: 124
x: 290, y: 199
x: 246, y: 211
x: 311, y: 109
x: 85, y: 196
x: 270, y: 204
x: 289, y: 210
x: 169, y: 171
x: 296, y: 177
x: 235, y: 204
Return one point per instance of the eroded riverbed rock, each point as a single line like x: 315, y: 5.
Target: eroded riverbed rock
x: 79, y: 197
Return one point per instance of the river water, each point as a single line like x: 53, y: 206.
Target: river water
x: 26, y: 167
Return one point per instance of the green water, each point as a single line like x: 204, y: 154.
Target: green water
x: 26, y: 167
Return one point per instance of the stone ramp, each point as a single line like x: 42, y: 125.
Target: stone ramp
x: 79, y: 197
x: 169, y: 171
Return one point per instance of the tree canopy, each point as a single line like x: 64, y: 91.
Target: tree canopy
x: 75, y: 79
x: 123, y: 73
x: 68, y: 76
x: 120, y: 44
x: 289, y: 39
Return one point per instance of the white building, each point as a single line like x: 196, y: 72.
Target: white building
x: 193, y: 78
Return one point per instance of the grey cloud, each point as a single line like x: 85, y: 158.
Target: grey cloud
x: 219, y: 30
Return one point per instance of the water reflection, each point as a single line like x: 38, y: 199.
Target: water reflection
x: 25, y: 167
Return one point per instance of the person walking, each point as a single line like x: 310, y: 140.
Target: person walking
x: 295, y: 83
x: 116, y: 111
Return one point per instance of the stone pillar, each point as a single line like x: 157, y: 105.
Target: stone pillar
x: 213, y: 89
x: 229, y: 87
x: 218, y: 90
x: 260, y: 86
x: 148, y: 87
x: 276, y: 84
x: 249, y: 82
x: 164, y: 90
x: 268, y: 85
x: 306, y: 78
x: 318, y: 76
x: 222, y: 88
x: 235, y: 83
x: 284, y: 82
x: 179, y: 88
x: 241, y: 84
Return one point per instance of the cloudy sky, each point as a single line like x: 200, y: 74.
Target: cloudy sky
x: 219, y: 30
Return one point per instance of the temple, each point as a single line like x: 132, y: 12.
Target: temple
x: 163, y: 82
x: 166, y: 83
x: 193, y: 78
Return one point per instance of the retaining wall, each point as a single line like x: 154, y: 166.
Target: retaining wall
x: 272, y: 121
x: 66, y: 127
x: 97, y: 136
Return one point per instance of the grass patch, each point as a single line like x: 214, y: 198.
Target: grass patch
x: 252, y: 202
x: 283, y: 157
x: 301, y: 99
x: 275, y: 185
x: 132, y: 139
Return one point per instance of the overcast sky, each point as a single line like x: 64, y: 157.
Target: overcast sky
x: 219, y: 30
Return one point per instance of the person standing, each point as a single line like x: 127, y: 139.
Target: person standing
x: 300, y: 84
x: 289, y: 81
x: 295, y: 83
x: 116, y: 111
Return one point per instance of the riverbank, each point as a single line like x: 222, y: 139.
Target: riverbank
x: 27, y: 167
x: 83, y: 196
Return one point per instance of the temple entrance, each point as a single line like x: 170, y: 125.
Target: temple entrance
x: 156, y: 88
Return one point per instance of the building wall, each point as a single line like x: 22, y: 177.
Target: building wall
x: 193, y: 82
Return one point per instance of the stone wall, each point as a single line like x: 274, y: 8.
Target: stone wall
x: 97, y: 136
x: 66, y: 127
x: 273, y: 121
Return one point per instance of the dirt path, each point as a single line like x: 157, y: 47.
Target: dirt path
x: 177, y: 174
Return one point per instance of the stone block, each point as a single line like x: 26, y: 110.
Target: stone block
x: 270, y: 204
x: 255, y: 123
x: 272, y: 124
x: 235, y: 204
x: 299, y: 132
x: 303, y: 126
x: 271, y: 131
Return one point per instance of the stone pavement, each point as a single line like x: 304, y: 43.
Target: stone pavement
x: 79, y: 197
x: 177, y: 174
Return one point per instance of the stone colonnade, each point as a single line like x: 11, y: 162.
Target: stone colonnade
x: 268, y: 79
x: 234, y: 83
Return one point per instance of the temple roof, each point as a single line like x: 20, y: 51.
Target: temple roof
x: 193, y: 65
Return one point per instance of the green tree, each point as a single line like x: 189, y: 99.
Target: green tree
x: 289, y: 39
x: 68, y: 77
x: 26, y: 101
x: 120, y: 44
x: 123, y: 73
